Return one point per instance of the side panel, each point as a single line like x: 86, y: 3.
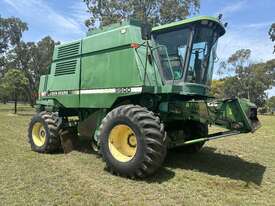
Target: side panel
x: 65, y: 75
x: 111, y: 70
x: 63, y: 82
x: 112, y: 39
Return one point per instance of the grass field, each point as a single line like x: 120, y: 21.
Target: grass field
x: 234, y: 171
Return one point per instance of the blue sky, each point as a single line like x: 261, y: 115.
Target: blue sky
x: 249, y: 21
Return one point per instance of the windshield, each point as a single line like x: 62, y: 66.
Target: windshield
x: 203, y: 54
x: 171, y: 50
x: 179, y: 61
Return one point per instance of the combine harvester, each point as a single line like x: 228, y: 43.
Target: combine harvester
x: 136, y: 92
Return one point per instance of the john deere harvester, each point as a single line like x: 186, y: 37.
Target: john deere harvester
x: 137, y: 92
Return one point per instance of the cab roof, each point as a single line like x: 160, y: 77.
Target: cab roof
x: 188, y: 21
x: 133, y: 22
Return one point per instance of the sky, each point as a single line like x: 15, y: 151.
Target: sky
x: 248, y: 22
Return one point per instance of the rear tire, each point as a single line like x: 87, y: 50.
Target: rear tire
x: 132, y: 141
x: 43, y: 133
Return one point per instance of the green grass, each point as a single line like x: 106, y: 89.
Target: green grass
x: 237, y: 170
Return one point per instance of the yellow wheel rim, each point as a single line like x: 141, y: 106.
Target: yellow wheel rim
x: 38, y: 134
x: 122, y: 143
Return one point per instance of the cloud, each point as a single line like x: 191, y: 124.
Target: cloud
x: 261, y: 48
x: 39, y: 13
x: 229, y: 9
x: 78, y: 11
x: 258, y: 25
x: 247, y: 36
x: 252, y: 36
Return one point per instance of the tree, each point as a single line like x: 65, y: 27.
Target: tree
x: 236, y: 63
x: 14, y: 82
x: 105, y: 12
x: 248, y: 80
x: 265, y: 76
x: 4, y: 95
x: 11, y: 30
x: 232, y: 87
x: 271, y: 33
x: 217, y: 88
x: 238, y: 66
x: 33, y: 59
x: 271, y: 103
x: 269, y: 68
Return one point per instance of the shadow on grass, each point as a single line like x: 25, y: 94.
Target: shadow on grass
x: 207, y: 161
x: 162, y: 175
x: 212, y: 163
x: 84, y: 146
x: 78, y: 144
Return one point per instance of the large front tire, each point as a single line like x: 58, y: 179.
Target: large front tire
x: 43, y: 133
x: 132, y: 141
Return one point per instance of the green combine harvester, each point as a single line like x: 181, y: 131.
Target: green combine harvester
x: 136, y: 92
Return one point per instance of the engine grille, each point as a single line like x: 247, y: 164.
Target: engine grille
x: 65, y: 67
x: 68, y: 50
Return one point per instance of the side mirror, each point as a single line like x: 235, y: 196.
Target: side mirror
x: 146, y: 31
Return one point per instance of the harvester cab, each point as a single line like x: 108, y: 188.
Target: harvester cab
x: 136, y: 92
x: 187, y: 54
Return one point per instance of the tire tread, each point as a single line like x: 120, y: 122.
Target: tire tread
x: 153, y: 134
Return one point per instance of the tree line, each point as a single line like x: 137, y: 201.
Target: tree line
x: 245, y: 79
x: 22, y: 63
